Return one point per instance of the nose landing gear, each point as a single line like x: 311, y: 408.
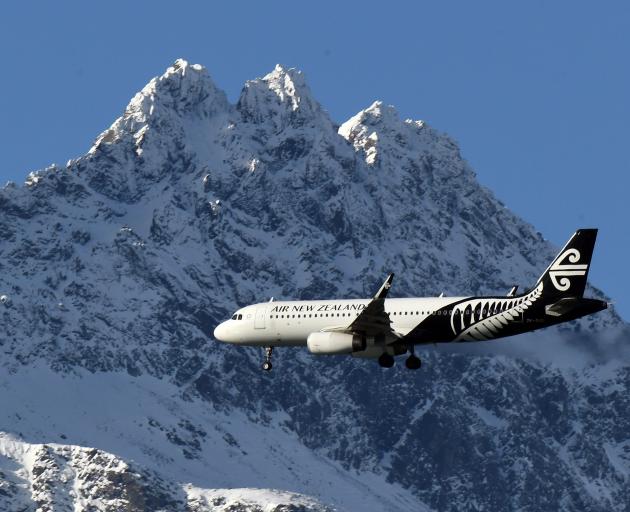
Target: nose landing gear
x: 267, y: 366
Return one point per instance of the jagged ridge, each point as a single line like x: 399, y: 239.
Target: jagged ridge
x: 188, y: 207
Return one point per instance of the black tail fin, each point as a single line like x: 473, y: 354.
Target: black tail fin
x: 566, y: 276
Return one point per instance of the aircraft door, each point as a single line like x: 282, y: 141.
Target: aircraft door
x: 261, y: 313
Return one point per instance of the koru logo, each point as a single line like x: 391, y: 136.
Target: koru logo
x: 563, y: 270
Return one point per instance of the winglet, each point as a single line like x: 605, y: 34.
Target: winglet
x: 384, y: 289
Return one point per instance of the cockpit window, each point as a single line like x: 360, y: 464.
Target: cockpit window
x: 234, y: 317
x: 240, y: 317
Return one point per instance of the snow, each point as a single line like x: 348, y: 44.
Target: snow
x: 228, y: 499
x: 129, y: 417
x: 490, y: 419
x: 189, y: 207
x: 619, y: 457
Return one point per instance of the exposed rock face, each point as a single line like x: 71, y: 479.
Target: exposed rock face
x: 68, y: 478
x: 119, y: 265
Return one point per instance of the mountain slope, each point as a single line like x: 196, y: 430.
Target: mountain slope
x: 116, y: 268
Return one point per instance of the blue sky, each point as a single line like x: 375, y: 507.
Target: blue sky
x: 536, y: 93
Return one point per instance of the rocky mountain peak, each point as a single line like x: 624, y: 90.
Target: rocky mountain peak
x: 185, y: 88
x: 289, y: 85
x: 380, y: 113
x: 115, y: 269
x: 387, y: 141
x: 282, y: 97
x: 184, y: 91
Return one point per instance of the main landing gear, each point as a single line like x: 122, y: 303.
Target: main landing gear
x: 413, y: 362
x: 386, y: 360
x: 267, y: 366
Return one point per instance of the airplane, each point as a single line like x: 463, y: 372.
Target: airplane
x: 381, y: 328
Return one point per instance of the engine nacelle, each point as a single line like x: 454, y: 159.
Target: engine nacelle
x: 330, y: 343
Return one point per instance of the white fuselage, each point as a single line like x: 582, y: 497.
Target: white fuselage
x: 289, y: 323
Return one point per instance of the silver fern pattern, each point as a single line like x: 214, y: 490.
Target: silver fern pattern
x: 482, y: 319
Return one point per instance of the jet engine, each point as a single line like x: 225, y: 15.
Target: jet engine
x: 330, y: 343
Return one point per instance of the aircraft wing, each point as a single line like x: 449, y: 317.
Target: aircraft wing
x: 373, y: 320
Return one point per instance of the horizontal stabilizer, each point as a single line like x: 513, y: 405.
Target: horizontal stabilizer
x: 562, y: 307
x: 574, y: 307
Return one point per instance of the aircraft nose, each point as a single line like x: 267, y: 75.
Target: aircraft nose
x: 220, y: 332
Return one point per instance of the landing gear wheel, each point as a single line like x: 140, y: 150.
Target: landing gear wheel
x: 267, y: 366
x: 413, y: 362
x: 386, y: 360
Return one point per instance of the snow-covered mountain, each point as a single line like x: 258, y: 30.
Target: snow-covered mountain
x: 115, y: 268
